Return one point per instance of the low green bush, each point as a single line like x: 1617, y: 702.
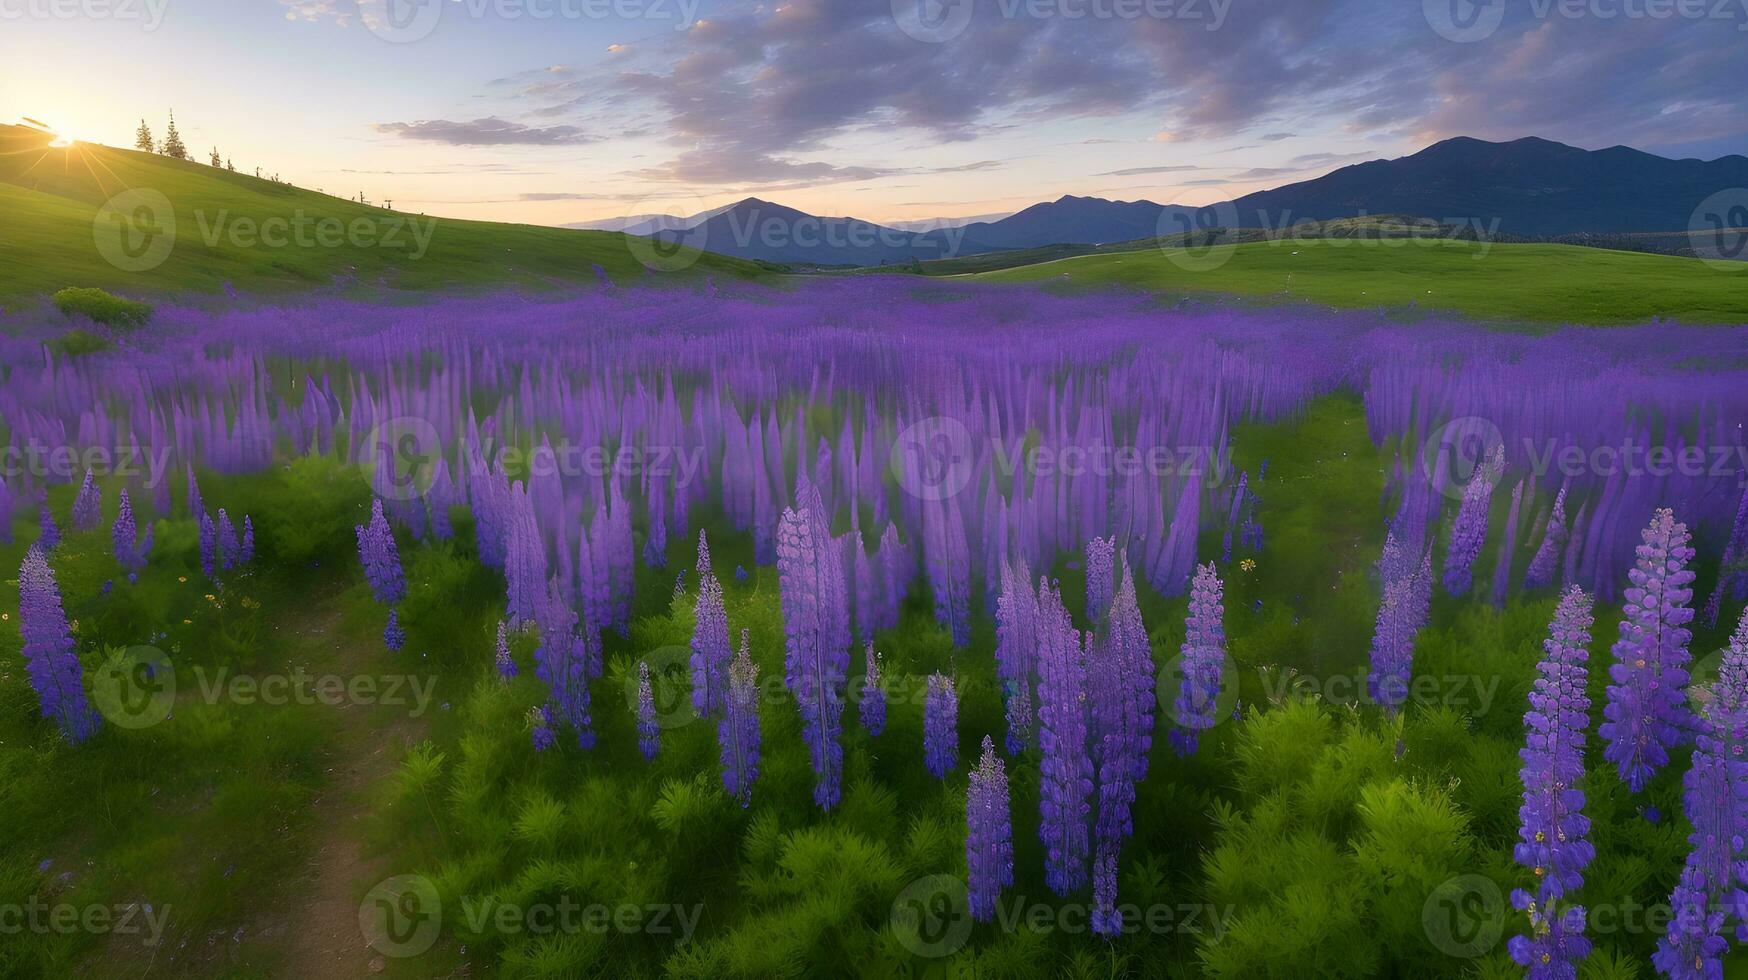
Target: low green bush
x: 102, y: 307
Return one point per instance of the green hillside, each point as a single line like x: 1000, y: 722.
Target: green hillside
x: 53, y: 199
x: 1537, y: 283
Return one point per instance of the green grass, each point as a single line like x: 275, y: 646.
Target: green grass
x: 1532, y: 283
x: 52, y: 198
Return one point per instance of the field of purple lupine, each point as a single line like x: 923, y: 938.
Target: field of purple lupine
x: 865, y: 627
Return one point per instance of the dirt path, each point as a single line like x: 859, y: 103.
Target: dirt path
x: 315, y: 932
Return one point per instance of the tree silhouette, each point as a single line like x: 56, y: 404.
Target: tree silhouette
x: 173, y: 141
x: 143, y: 138
x: 230, y: 166
x: 217, y: 161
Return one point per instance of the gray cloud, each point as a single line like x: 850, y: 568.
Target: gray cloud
x: 490, y: 131
x: 1137, y: 171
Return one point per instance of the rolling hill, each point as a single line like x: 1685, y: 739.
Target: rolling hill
x: 763, y: 231
x: 257, y: 235
x: 1519, y: 283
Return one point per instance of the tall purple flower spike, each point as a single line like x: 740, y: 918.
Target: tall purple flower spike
x: 380, y: 557
x: 505, y: 663
x: 50, y: 657
x: 873, y: 706
x: 1552, y: 824
x: 1647, y: 708
x: 1016, y: 652
x: 1204, y: 661
x: 1469, y: 531
x: 710, y: 650
x: 649, y: 728
x: 989, y: 843
x: 738, y: 731
x: 1065, y: 773
x: 816, y: 628
x: 1547, y: 557
x: 941, y: 726
x: 87, y: 506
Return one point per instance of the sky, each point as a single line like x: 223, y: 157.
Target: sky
x: 562, y: 111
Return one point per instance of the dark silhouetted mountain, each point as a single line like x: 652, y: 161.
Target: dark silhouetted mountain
x: 1530, y: 186
x: 1071, y: 220
x: 755, y: 229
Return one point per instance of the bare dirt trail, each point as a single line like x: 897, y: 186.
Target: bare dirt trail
x: 315, y: 931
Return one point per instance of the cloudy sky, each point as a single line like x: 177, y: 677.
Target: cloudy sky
x: 555, y: 111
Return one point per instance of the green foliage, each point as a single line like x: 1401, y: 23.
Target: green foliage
x: 102, y: 307
x: 78, y: 343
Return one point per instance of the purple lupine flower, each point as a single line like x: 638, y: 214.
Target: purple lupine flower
x: 816, y: 628
x: 941, y: 726
x: 209, y: 546
x: 246, y: 549
x: 438, y: 498
x: 1695, y: 945
x: 393, y: 636
x: 740, y: 573
x: 873, y: 706
x: 540, y: 726
x: 738, y: 731
x: 1392, y: 653
x: 50, y: 657
x: 1134, y: 661
x: 989, y: 843
x: 87, y: 506
x: 1647, y: 706
x: 6, y: 503
x: 524, y: 559
x: 1065, y: 774
x: 379, y: 555
x: 1553, y: 826
x: 649, y: 728
x: 1547, y: 557
x: 196, y: 506
x: 1204, y: 661
x: 1016, y: 651
x: 506, y: 663
x: 124, y: 534
x: 563, y: 660
x: 51, y: 535
x: 1715, y: 786
x: 1101, y: 573
x: 1106, y: 920
x: 1733, y: 569
x: 229, y: 550
x: 1469, y: 531
x: 1502, y: 567
x: 710, y: 644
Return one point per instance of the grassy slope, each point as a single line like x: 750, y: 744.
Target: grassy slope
x: 1543, y: 283
x: 51, y: 197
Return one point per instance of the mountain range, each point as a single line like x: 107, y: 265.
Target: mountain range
x: 1529, y: 187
